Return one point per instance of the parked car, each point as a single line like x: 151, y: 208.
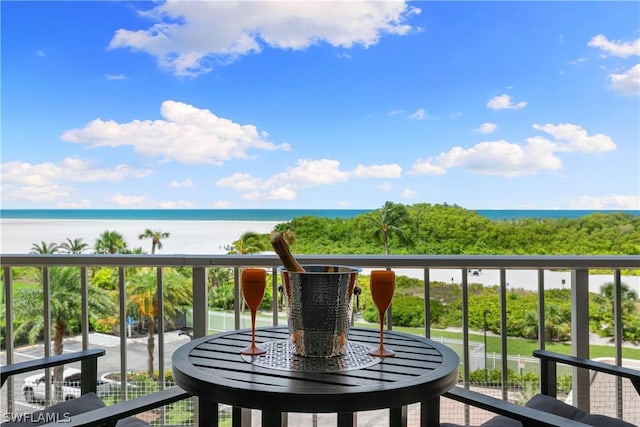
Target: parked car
x: 33, y: 387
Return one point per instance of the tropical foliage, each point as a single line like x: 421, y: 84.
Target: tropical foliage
x: 142, y: 288
x: 449, y: 230
x: 156, y: 238
x: 65, y: 309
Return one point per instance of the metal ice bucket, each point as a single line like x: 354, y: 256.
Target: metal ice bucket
x: 319, y: 308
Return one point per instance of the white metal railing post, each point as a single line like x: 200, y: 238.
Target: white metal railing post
x: 427, y: 304
x: 200, y: 303
x: 466, y: 363
x: 237, y: 297
x: 122, y: 300
x: 46, y: 294
x: 617, y: 334
x: 541, y: 315
x: 84, y: 310
x: 503, y: 334
x: 580, y: 335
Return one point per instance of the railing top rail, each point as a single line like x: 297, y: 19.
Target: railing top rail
x: 366, y: 261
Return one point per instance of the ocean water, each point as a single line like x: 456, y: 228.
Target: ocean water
x: 262, y: 214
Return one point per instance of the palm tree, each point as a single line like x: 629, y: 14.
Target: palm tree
x: 249, y: 243
x: 628, y: 296
x: 388, y: 221
x: 65, y: 309
x: 155, y: 237
x: 44, y: 248
x: 75, y: 246
x: 142, y: 288
x: 110, y: 242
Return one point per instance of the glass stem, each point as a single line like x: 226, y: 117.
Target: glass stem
x: 381, y: 331
x: 253, y: 328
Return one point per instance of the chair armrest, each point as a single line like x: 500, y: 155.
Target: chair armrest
x: 113, y: 413
x: 87, y: 358
x: 527, y: 416
x: 549, y: 360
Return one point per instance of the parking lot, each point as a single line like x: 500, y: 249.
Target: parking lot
x: 136, y: 353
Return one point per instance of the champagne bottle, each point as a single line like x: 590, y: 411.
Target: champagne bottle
x: 282, y: 250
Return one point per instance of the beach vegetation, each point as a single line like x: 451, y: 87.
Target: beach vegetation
x: 110, y: 242
x: 443, y: 229
x: 249, y: 243
x: 389, y: 221
x: 44, y: 248
x: 73, y: 246
x: 156, y: 237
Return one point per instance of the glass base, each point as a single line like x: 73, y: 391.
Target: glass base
x: 382, y: 352
x: 253, y: 350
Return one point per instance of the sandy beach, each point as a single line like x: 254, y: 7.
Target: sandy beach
x: 186, y: 237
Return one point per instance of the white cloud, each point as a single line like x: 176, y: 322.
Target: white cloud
x: 385, y: 186
x: 615, y: 201
x: 241, y: 182
x: 509, y: 159
x: 187, y: 134
x: 378, y: 171
x: 181, y: 184
x: 627, y: 83
x: 395, y: 112
x: 503, y: 102
x: 408, y: 193
x: 189, y: 38
x: 419, y: 114
x: 115, y: 76
x: 71, y: 169
x: 43, y: 182
x: 487, y: 128
x: 494, y: 158
x: 617, y: 48
x: 422, y: 114
x: 43, y: 193
x: 572, y: 137
x: 579, y: 61
x: 307, y: 173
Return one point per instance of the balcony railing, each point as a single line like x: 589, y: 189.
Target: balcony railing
x: 425, y: 267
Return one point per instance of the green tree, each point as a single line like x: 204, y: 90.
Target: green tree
x: 44, y: 248
x: 249, y: 243
x: 155, y: 237
x: 65, y: 308
x: 142, y: 288
x: 110, y: 242
x: 75, y: 246
x: 388, y: 221
x: 287, y: 232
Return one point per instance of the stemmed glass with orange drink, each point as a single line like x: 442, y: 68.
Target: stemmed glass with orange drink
x: 253, y: 282
x: 383, y: 284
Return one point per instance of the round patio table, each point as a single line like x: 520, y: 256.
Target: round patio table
x: 278, y: 382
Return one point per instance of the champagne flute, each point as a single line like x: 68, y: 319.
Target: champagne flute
x: 253, y: 282
x: 383, y: 283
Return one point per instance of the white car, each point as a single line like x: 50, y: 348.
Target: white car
x: 33, y: 387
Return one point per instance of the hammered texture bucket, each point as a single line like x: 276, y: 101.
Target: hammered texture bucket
x: 319, y: 308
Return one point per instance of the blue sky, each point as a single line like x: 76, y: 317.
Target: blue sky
x: 318, y: 104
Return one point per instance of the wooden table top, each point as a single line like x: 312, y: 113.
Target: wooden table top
x: 212, y: 368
